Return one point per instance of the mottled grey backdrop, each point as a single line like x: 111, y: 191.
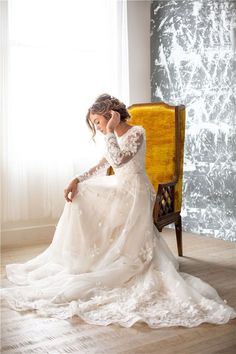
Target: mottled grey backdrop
x: 194, y: 63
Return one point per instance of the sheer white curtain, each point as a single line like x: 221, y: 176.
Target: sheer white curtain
x: 60, y: 56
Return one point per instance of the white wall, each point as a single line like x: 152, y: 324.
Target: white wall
x: 139, y: 50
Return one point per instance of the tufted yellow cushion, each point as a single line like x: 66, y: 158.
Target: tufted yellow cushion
x: 158, y: 119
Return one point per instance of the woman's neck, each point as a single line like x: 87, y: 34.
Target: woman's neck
x: 122, y: 128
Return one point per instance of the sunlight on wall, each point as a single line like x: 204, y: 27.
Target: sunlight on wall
x: 57, y: 68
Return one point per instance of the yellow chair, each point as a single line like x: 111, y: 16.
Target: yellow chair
x: 165, y: 133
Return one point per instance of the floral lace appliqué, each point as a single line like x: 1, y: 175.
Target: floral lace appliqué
x: 118, y: 156
x: 99, y: 169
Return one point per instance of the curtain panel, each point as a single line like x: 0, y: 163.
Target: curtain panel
x: 57, y: 57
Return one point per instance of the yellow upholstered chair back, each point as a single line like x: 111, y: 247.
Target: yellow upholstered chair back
x: 165, y: 127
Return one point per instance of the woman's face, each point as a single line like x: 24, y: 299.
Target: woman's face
x: 99, y: 122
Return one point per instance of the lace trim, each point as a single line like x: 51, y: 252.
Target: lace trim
x: 147, y: 302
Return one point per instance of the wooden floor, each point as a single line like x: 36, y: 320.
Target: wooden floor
x: 212, y: 260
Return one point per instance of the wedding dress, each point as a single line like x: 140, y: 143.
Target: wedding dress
x: 107, y: 262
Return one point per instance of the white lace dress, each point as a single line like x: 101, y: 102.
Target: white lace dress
x: 107, y: 262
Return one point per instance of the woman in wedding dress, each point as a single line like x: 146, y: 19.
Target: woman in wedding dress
x: 107, y: 262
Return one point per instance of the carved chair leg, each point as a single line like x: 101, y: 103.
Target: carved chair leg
x: 178, y: 230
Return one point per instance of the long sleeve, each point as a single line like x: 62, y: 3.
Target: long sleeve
x: 118, y: 156
x: 96, y: 170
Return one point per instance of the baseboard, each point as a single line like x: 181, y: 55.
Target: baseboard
x: 27, y: 236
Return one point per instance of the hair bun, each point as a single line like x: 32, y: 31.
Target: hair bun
x: 105, y: 103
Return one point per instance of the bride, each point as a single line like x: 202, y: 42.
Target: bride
x: 107, y: 262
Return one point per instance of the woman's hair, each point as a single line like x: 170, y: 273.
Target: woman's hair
x: 103, y: 105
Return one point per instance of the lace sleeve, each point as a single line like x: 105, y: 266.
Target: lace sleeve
x: 117, y: 156
x: 99, y: 169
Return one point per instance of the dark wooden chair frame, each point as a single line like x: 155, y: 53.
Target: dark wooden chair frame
x: 163, y: 212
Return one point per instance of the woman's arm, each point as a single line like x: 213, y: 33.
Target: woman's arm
x: 103, y: 165
x: 117, y: 156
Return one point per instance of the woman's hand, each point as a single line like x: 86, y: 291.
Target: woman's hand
x: 113, y: 122
x: 71, y: 189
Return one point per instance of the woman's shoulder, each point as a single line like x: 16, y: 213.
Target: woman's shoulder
x: 133, y: 131
x: 137, y: 129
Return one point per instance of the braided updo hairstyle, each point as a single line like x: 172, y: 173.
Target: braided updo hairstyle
x: 103, y: 105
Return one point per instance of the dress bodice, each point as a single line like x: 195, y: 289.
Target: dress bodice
x: 126, y: 154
